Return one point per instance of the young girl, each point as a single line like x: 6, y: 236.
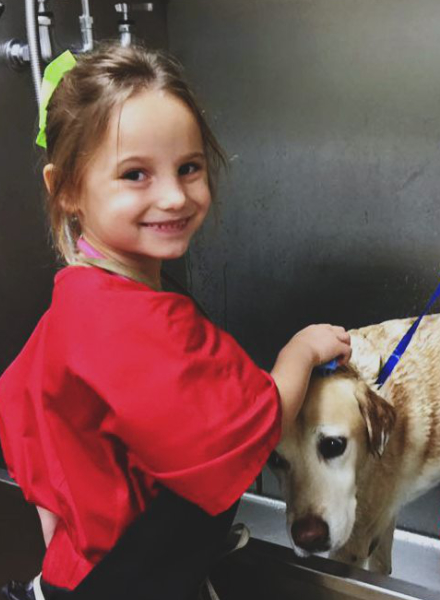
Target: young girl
x: 124, y: 389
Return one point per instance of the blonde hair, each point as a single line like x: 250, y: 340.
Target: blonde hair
x: 79, y: 113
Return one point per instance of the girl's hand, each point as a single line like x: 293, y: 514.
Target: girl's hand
x: 322, y: 343
x: 310, y: 347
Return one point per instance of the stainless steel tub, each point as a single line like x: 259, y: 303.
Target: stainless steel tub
x: 416, y: 568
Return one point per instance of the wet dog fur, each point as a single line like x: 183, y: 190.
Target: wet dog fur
x: 356, y: 454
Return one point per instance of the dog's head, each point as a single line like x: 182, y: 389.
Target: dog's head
x: 342, y: 428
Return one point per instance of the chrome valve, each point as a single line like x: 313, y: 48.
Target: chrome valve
x: 126, y: 25
x: 15, y: 53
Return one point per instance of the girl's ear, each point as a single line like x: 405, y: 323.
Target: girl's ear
x: 48, y: 171
x: 47, y: 176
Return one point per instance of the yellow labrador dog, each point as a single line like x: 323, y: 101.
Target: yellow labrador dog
x: 356, y: 455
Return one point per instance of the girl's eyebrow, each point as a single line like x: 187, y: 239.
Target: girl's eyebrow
x: 136, y: 158
x: 193, y: 155
x: 131, y: 159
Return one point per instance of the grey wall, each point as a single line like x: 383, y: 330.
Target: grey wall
x: 330, y: 113
x: 26, y: 261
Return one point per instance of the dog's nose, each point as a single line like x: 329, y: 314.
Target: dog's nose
x: 311, y: 534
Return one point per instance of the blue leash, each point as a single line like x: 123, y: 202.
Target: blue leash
x: 396, y: 355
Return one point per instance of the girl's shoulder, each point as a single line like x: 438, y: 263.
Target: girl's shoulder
x: 124, y: 317
x: 93, y: 293
x: 94, y: 281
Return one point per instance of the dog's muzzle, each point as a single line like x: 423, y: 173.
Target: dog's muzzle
x: 311, y: 534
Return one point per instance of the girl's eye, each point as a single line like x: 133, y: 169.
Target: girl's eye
x: 189, y: 169
x: 134, y: 175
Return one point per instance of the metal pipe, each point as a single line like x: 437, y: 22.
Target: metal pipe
x: 126, y: 25
x: 32, y: 36
x: 45, y: 19
x: 14, y: 52
x: 86, y: 24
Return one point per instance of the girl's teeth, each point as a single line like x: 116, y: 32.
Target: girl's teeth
x: 171, y: 225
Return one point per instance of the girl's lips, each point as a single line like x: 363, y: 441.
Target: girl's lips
x: 172, y: 226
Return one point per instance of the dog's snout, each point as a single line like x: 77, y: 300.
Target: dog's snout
x: 311, y: 534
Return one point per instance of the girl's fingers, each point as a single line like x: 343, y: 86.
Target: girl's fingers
x: 339, y: 330
x: 341, y: 333
x: 345, y: 354
x: 345, y: 338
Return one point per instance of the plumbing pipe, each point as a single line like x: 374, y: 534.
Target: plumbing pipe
x: 86, y: 24
x: 14, y: 52
x: 45, y: 20
x: 126, y: 25
x: 32, y: 36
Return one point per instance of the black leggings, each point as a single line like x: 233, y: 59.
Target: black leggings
x: 165, y: 554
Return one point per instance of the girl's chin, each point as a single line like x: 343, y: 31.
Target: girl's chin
x: 176, y: 252
x: 143, y: 256
x: 170, y: 254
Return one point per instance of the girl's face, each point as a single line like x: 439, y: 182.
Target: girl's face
x: 145, y: 192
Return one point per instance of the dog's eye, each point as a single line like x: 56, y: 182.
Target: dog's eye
x: 331, y: 447
x: 276, y: 461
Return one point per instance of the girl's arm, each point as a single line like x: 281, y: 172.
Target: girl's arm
x: 310, y: 347
x: 48, y: 523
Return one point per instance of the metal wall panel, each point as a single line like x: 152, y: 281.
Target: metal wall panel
x: 329, y: 112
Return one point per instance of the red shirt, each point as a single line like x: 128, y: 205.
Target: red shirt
x: 121, y: 388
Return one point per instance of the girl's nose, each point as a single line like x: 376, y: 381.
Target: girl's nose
x: 170, y: 195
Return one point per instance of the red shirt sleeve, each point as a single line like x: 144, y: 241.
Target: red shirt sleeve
x: 197, y: 413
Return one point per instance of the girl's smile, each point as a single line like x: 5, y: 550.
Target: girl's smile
x: 168, y: 227
x: 145, y: 190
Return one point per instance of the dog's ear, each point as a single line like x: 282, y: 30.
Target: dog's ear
x: 364, y: 357
x: 379, y: 417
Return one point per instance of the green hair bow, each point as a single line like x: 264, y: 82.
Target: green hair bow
x: 53, y: 74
